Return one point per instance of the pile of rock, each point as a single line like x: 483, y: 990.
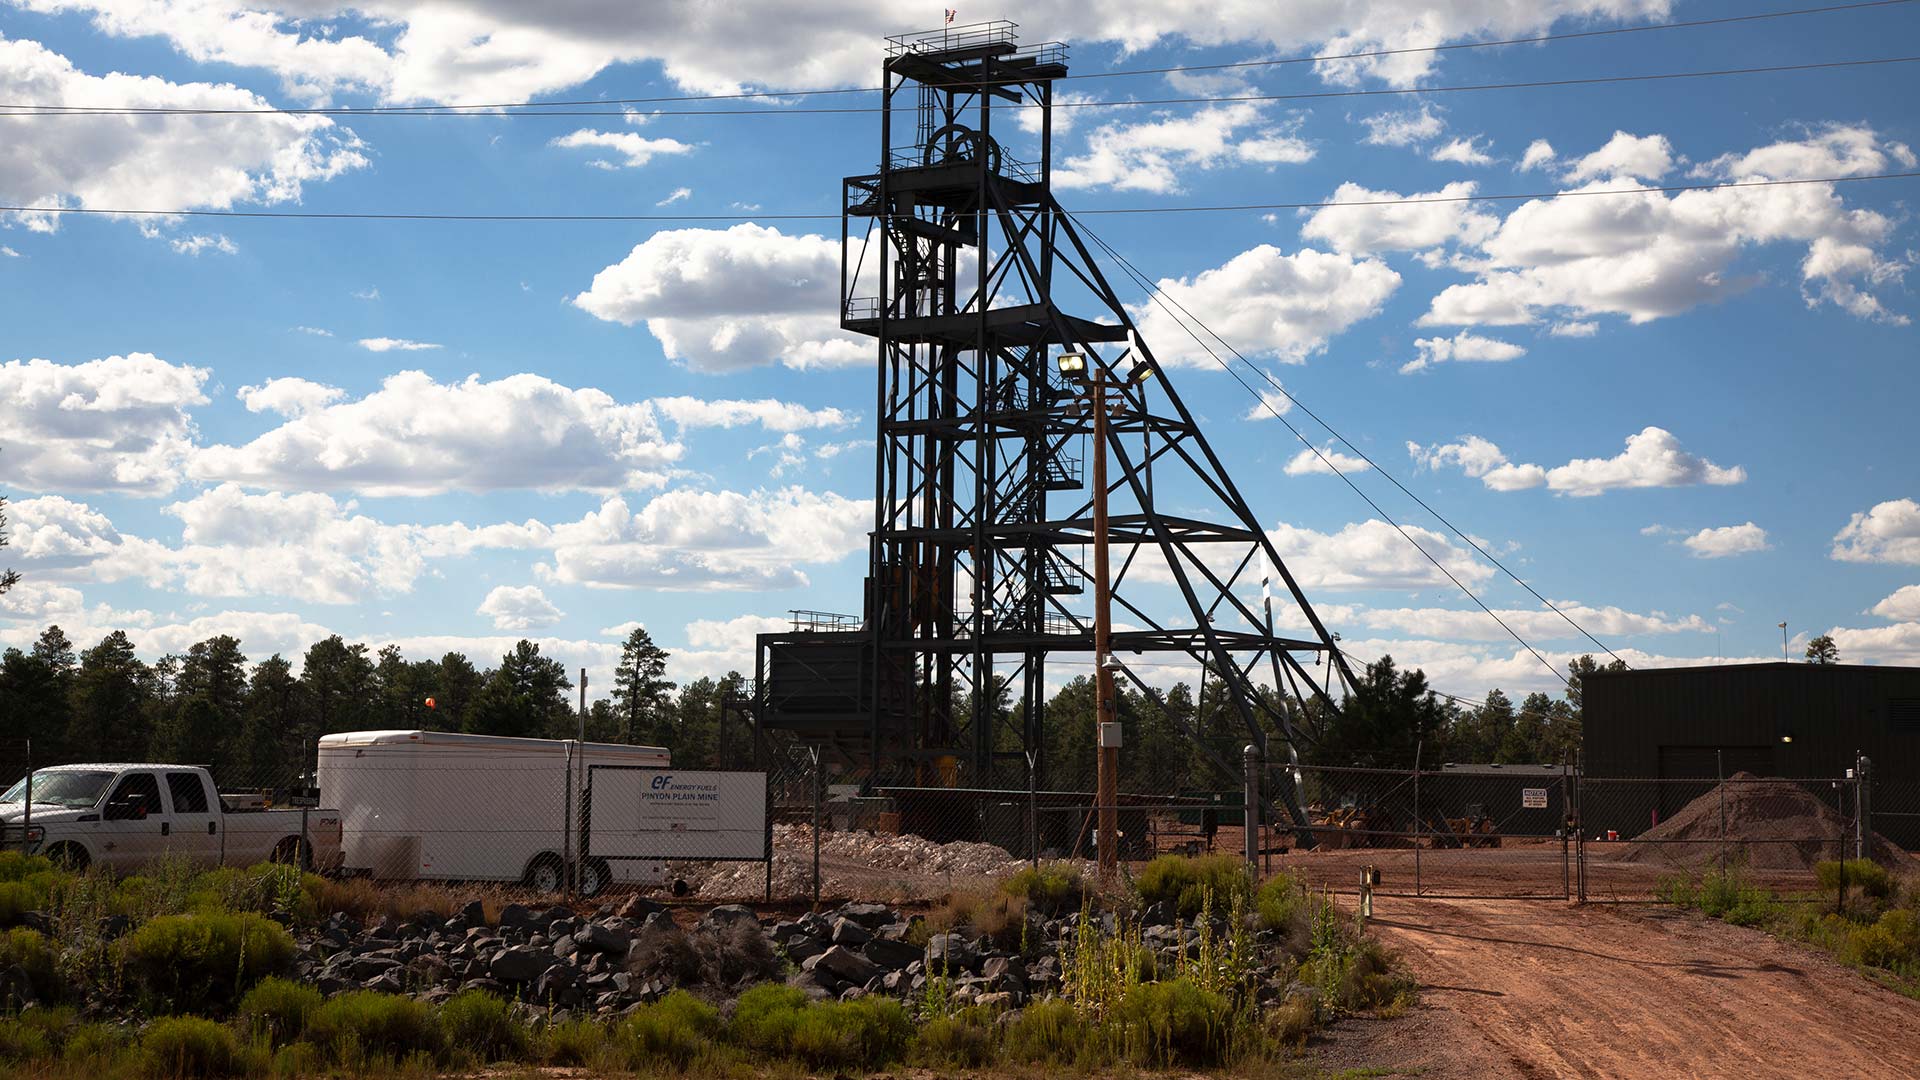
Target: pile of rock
x: 621, y: 957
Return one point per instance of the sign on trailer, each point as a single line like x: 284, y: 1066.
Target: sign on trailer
x: 1533, y: 798
x: 651, y: 813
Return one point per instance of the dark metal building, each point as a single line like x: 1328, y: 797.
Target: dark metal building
x: 1795, y: 720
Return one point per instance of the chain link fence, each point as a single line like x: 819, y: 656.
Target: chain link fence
x: 524, y: 814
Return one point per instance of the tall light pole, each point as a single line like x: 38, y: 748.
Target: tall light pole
x: 1783, y: 642
x: 1106, y: 719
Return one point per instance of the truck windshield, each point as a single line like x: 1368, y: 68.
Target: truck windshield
x: 72, y: 789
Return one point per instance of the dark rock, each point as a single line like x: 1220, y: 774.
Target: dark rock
x: 638, y: 907
x: 386, y: 983
x: 332, y: 984
x: 491, y: 986
x: 594, y: 938
x: 435, y: 996
x: 853, y: 992
x: 728, y: 915
x: 848, y: 932
x: 888, y: 953
x: 997, y: 1000
x: 563, y: 948
x: 515, y: 917
x: 951, y: 952
x: 519, y: 963
x: 368, y: 967
x: 554, y: 914
x: 995, y: 967
x: 473, y: 913
x: 811, y: 984
x: 558, y: 984
x: 114, y: 926
x: 799, y: 947
x: 846, y: 964
x: 867, y: 915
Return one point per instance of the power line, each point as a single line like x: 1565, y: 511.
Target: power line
x: 1168, y: 70
x: 360, y: 215
x: 1159, y: 297
x: 1475, y: 544
x: 1315, y: 95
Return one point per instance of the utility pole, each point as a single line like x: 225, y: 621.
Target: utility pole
x: 1783, y: 642
x: 1107, y: 771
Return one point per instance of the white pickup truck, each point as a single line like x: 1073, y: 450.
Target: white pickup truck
x: 121, y: 817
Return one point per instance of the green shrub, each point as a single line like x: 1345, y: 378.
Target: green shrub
x: 1052, y: 889
x: 1281, y: 902
x: 765, y: 1017
x: 1175, y: 1022
x: 864, y: 1033
x: 1292, y: 1021
x: 276, y: 889
x: 207, y: 958
x: 482, y: 1025
x: 573, y: 1042
x: 184, y: 1047
x: 677, y: 1028
x: 963, y: 1040
x: 17, y: 867
x: 1186, y: 883
x: 362, y: 1025
x: 1893, y: 942
x: 279, y: 1010
x: 296, y: 1059
x: 1860, y: 875
x: 93, y: 1043
x: 31, y: 950
x: 1047, y: 1032
x: 23, y: 1042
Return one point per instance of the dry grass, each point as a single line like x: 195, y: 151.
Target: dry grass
x: 366, y: 900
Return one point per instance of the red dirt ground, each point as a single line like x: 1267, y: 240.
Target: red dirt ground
x: 1531, y: 989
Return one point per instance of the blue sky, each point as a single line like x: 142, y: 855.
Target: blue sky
x: 455, y: 434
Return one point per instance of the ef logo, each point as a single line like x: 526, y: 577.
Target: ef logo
x: 660, y: 782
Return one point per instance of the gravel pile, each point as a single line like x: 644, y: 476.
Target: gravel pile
x: 851, y: 864
x: 1770, y: 824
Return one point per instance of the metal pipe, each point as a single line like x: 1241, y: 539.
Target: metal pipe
x: 1108, y: 785
x: 1250, y: 758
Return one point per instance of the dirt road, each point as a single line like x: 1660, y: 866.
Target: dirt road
x: 1540, y: 989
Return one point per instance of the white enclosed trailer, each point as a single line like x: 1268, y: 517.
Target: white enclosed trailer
x: 439, y: 806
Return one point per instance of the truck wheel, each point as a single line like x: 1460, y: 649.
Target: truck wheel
x: 595, y: 876
x: 546, y: 874
x: 69, y: 857
x: 292, y: 852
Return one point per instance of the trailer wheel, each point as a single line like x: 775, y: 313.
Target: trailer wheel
x: 595, y: 876
x: 71, y: 857
x: 546, y: 873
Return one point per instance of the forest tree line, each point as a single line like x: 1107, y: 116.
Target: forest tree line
x: 255, y: 722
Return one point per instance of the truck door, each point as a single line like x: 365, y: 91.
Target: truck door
x: 131, y: 822
x: 196, y: 824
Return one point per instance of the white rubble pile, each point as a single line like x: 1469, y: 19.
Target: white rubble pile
x: 851, y: 863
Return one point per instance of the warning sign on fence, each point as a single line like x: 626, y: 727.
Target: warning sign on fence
x: 1533, y: 798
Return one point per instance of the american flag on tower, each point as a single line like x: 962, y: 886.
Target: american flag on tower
x: 950, y: 14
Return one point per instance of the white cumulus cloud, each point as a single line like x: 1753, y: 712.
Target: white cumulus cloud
x: 389, y: 344
x: 1902, y: 606
x: 1718, y: 543
x: 116, y: 424
x: 1465, y: 346
x: 1270, y: 303
x: 519, y: 607
x: 729, y: 299
x: 1152, y: 155
x: 1889, y: 533
x: 634, y: 150
x: 1324, y: 462
x: 1431, y: 219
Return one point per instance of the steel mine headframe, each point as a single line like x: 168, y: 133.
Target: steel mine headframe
x: 958, y: 261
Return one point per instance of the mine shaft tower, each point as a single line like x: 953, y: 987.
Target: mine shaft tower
x: 953, y: 255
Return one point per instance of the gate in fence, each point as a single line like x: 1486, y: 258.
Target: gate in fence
x: 1548, y: 832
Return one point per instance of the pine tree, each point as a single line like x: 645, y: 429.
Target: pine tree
x: 273, y: 707
x: 8, y: 578
x: 204, y: 725
x: 641, y: 691
x: 111, y: 691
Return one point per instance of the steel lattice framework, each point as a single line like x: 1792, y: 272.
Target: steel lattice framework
x: 958, y: 260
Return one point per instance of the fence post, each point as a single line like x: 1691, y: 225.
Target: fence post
x: 1720, y: 782
x: 26, y: 818
x: 1250, y: 761
x: 814, y: 752
x: 1033, y: 807
x: 1863, y: 807
x: 1418, y: 826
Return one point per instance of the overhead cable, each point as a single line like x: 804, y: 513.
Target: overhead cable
x: 366, y: 215
x: 1370, y: 54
